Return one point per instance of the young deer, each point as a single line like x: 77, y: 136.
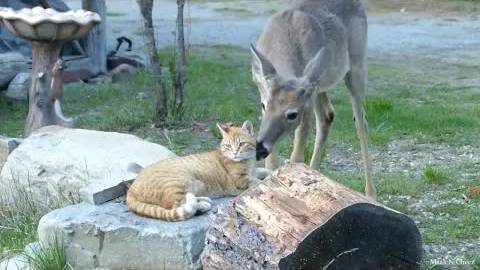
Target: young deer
x: 303, y: 51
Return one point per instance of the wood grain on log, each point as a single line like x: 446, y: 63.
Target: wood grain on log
x: 300, y: 219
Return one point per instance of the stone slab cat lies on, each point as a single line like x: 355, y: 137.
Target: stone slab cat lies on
x: 176, y: 189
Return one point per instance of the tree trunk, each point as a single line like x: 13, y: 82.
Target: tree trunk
x: 146, y: 8
x: 96, y: 40
x: 181, y: 78
x: 299, y: 219
x: 44, y: 105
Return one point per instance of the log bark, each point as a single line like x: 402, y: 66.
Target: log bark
x: 146, y: 8
x: 300, y: 219
x: 181, y: 76
x: 44, y: 105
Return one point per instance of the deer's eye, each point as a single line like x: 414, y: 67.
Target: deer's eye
x: 292, y: 115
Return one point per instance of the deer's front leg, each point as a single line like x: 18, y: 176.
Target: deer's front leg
x: 301, y: 136
x: 272, y: 162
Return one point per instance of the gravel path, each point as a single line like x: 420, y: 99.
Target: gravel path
x: 239, y: 23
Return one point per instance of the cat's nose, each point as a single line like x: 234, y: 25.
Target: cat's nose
x: 262, y: 152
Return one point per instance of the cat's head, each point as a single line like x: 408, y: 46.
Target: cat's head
x: 238, y: 143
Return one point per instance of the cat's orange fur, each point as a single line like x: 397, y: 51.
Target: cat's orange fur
x: 175, y: 189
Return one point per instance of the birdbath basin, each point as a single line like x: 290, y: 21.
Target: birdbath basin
x: 48, y: 30
x: 39, y: 24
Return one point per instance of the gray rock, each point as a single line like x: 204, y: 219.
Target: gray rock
x: 123, y: 72
x: 109, y: 236
x: 14, y: 263
x: 56, y: 162
x: 11, y: 64
x: 7, y: 145
x: 102, y: 79
x: 18, y: 87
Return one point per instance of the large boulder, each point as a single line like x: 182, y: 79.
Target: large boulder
x: 56, y: 162
x: 11, y: 64
x: 109, y: 236
x: 18, y: 87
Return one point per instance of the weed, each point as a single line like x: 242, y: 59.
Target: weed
x: 48, y: 256
x: 434, y: 175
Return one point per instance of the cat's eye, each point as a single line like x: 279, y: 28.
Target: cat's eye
x: 245, y: 144
x: 263, y: 106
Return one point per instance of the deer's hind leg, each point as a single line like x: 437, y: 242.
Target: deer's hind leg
x: 356, y: 81
x: 324, y: 115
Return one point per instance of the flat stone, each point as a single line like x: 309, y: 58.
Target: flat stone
x: 98, y: 192
x: 11, y: 64
x: 18, y: 87
x: 7, y: 145
x: 56, y: 162
x: 109, y: 236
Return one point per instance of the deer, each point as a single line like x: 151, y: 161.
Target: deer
x: 302, y: 52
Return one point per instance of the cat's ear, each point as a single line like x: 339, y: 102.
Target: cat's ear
x: 223, y: 129
x: 248, y: 128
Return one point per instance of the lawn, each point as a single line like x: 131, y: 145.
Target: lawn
x: 399, y: 106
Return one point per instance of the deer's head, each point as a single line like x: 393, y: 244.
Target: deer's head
x: 283, y: 100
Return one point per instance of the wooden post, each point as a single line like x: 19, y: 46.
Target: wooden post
x: 95, y: 42
x: 161, y: 112
x: 300, y: 219
x: 180, y: 58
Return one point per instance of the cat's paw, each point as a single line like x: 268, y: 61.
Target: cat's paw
x: 191, y: 203
x: 204, y: 206
x: 205, y: 199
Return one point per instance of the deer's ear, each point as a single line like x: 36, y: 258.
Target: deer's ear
x: 248, y: 128
x: 313, y: 69
x: 260, y: 64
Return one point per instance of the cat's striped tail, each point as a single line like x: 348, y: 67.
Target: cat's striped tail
x: 183, y: 212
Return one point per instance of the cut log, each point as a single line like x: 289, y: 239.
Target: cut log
x: 299, y: 219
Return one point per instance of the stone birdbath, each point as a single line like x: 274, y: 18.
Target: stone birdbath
x: 48, y: 30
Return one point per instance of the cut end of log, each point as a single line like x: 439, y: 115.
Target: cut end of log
x: 361, y: 236
x: 300, y: 219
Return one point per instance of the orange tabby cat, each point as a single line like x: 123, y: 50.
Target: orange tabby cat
x: 175, y: 189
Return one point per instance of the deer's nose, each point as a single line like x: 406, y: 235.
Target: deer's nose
x: 262, y: 152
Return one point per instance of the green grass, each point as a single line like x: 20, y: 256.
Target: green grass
x: 48, y: 256
x: 434, y: 175
x: 236, y: 11
x: 19, y: 221
x: 395, y: 109
x: 115, y: 14
x: 456, y: 6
